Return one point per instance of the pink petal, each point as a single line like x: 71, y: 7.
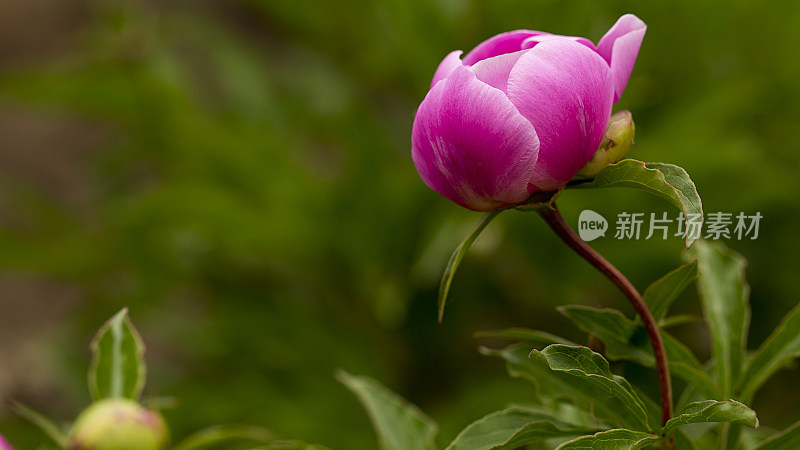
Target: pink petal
x: 470, y: 144
x: 494, y: 71
x: 533, y: 40
x: 503, y: 43
x: 4, y: 445
x: 450, y: 62
x: 619, y: 47
x: 565, y: 90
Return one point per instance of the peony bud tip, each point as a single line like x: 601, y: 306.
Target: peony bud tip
x: 118, y: 424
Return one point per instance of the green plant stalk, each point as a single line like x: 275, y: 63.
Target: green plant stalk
x: 555, y: 220
x: 455, y: 260
x: 43, y: 423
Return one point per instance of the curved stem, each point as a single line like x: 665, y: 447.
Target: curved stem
x: 557, y: 223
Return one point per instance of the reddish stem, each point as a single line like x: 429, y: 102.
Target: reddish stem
x: 557, y: 223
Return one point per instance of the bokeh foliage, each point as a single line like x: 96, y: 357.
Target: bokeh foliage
x: 248, y: 192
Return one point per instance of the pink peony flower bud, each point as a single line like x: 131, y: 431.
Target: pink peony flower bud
x: 118, y: 424
x: 4, y: 445
x: 522, y: 112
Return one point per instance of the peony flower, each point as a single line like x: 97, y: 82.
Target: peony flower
x: 522, y: 112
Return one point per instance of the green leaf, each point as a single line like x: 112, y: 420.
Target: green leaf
x: 589, y: 367
x: 563, y: 410
x: 625, y: 339
x: 457, y: 256
x: 524, y: 334
x: 659, y: 296
x: 212, y: 437
x: 723, y: 295
x: 667, y: 181
x: 43, y: 423
x: 782, y: 346
x: 684, y: 364
x: 512, y: 428
x: 398, y: 424
x: 580, y: 373
x: 613, y: 328
x: 117, y: 368
x: 619, y: 439
x: 788, y: 439
x: 713, y: 411
x: 679, y: 319
x: 682, y: 442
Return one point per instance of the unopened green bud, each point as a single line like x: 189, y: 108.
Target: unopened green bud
x: 118, y: 424
x: 615, y: 145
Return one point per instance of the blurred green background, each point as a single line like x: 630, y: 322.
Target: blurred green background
x: 238, y: 173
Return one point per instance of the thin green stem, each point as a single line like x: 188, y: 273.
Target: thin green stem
x: 553, y: 217
x: 457, y: 256
x: 42, y: 422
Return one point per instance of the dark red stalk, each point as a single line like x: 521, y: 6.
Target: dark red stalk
x: 553, y: 218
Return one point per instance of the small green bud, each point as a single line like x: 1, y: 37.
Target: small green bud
x: 118, y: 424
x: 615, y: 145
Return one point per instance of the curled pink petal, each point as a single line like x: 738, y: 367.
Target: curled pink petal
x: 450, y: 62
x: 620, y: 47
x: 565, y: 90
x: 503, y: 43
x: 494, y: 71
x: 470, y: 144
x: 533, y: 40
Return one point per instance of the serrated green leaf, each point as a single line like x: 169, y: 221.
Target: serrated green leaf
x: 587, y: 366
x: 788, y: 439
x: 667, y: 181
x: 619, y: 439
x: 524, y: 334
x: 782, y: 346
x: 512, y: 428
x: 117, y: 368
x: 398, y: 424
x: 456, y: 257
x: 724, y: 298
x: 610, y: 398
x: 660, y: 295
x: 713, y: 411
x: 625, y: 339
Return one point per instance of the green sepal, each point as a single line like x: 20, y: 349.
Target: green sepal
x: 117, y: 368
